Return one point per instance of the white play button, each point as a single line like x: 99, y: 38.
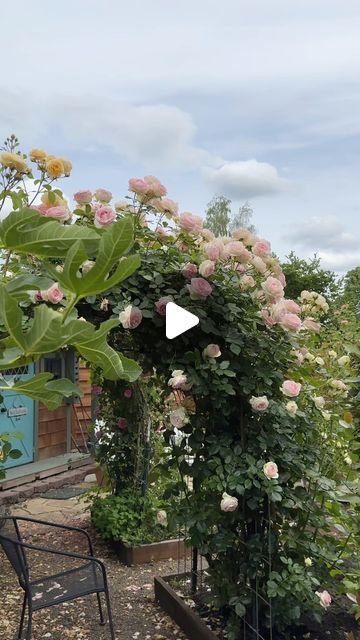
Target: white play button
x: 178, y: 320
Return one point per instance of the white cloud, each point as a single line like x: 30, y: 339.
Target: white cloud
x: 246, y: 179
x: 340, y: 262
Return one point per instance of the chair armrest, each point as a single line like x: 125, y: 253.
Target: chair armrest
x: 66, y: 554
x: 59, y: 526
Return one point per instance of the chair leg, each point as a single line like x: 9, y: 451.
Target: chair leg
x: 102, y: 621
x: 22, y: 617
x: 111, y: 624
x: 29, y: 628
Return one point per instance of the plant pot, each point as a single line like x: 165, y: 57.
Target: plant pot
x: 187, y: 619
x: 144, y: 553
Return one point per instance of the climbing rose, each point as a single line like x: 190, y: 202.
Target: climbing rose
x: 102, y: 195
x: 259, y: 404
x: 312, y: 325
x: 137, y: 185
x: 154, y: 187
x: 178, y: 418
x: 228, y: 503
x: 178, y: 379
x: 191, y: 223
x: 189, y: 270
x: 58, y: 213
x: 128, y: 393
x: 161, y: 518
x: 212, y: 351
x: 292, y: 306
x: 319, y: 402
x: 160, y: 305
x: 343, y: 361
x: 246, y: 282
x: 261, y: 248
x: 325, y: 598
x: 199, y: 289
x: 214, y: 249
x: 122, y: 423
x: 243, y: 234
x: 292, y: 407
x: 273, y: 289
x: 307, y: 562
x: 267, y: 318
x: 290, y: 322
x: 53, y: 294
x: 290, y: 388
x: 96, y: 390
x: 104, y: 216
x: 259, y: 264
x: 206, y: 268
x: 83, y: 197
x: 270, y: 469
x: 234, y: 248
x: 131, y: 317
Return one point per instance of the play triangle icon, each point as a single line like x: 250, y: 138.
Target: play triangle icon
x: 178, y: 320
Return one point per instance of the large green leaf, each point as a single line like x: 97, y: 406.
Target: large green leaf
x: 21, y: 285
x: 43, y: 387
x: 12, y: 317
x: 27, y: 232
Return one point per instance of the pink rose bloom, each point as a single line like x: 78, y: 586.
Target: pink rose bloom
x: 38, y: 296
x: 161, y: 232
x: 281, y: 279
x: 154, y: 187
x: 131, y: 317
x: 344, y: 321
x: 160, y: 305
x: 271, y: 471
x: 259, y: 404
x: 96, y: 390
x: 235, y: 248
x: 292, y: 306
x: 104, y: 216
x: 139, y: 186
x: 240, y: 267
x: 228, y: 503
x: 259, y: 264
x: 58, y: 213
x: 290, y: 388
x: 199, y: 289
x: 268, y: 318
x: 246, y: 282
x: 189, y: 270
x: 325, y: 598
x: 245, y: 256
x: 122, y: 423
x: 178, y: 379
x: 312, y: 325
x: 261, y: 248
x: 206, y: 268
x: 212, y: 351
x: 190, y: 223
x: 83, y: 197
x: 243, y: 234
x: 214, y: 249
x: 53, y: 294
x: 207, y: 234
x: 102, y: 195
x: 41, y: 208
x: 165, y: 205
x: 273, y: 289
x: 178, y: 418
x: 290, y: 322
x: 128, y: 393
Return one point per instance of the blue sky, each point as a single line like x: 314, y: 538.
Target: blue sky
x: 255, y: 100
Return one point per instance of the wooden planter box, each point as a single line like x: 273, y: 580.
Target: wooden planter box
x: 189, y: 622
x: 145, y: 553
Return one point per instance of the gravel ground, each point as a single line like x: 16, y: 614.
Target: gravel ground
x: 136, y: 615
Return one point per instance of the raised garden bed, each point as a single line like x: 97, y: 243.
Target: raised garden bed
x: 144, y: 553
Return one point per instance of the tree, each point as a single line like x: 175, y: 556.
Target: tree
x: 243, y: 218
x: 351, y: 291
x: 308, y: 275
x: 218, y: 215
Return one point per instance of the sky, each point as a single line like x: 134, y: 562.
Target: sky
x: 256, y: 100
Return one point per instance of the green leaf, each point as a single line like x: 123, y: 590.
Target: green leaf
x: 42, y: 387
x: 12, y: 317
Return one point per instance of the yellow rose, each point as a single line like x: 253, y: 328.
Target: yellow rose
x: 67, y: 166
x: 37, y: 155
x: 14, y: 161
x: 56, y: 200
x: 54, y: 167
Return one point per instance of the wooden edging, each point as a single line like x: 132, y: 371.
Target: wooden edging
x: 145, y: 553
x: 189, y: 622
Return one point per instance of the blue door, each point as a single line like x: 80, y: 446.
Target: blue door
x: 17, y: 416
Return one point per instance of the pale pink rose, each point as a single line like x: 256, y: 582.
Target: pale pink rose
x: 155, y: 188
x: 103, y: 195
x: 161, y: 232
x: 122, y: 423
x: 165, y: 205
x: 281, y: 279
x: 344, y: 321
x: 247, y: 282
x: 128, y: 393
x: 311, y: 325
x: 212, y: 351
x: 259, y: 404
x: 290, y: 388
x: 290, y: 322
x: 273, y: 289
x: 235, y: 248
x: 261, y: 248
x: 160, y: 305
x: 228, y: 503
x: 268, y: 318
x: 245, y: 256
x: 271, y: 471
x: 214, y: 250
x: 131, y: 317
x: 241, y: 268
x: 41, y: 208
x: 278, y: 310
x: 178, y: 379
x: 292, y: 306
x: 245, y: 235
x: 161, y: 518
x: 190, y: 223
x: 259, y: 264
x: 292, y: 407
x: 325, y: 598
x: 207, y: 234
x: 206, y: 268
x: 96, y: 390
x: 189, y: 270
x: 319, y: 402
x: 53, y: 294
x: 199, y: 289
x: 178, y: 417
x: 137, y: 185
x: 124, y: 206
x: 83, y: 197
x: 104, y: 216
x: 58, y: 213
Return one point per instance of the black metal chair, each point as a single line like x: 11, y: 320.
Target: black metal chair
x: 87, y: 578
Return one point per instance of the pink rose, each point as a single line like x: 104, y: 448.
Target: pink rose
x: 281, y: 279
x: 259, y: 264
x: 131, y: 317
x: 312, y: 325
x: 161, y: 232
x: 214, y: 249
x: 292, y: 306
x: 212, y: 351
x: 206, y: 268
x: 102, y: 195
x: 261, y: 248
x: 83, y: 197
x: 273, y: 289
x: 290, y: 388
x: 137, y: 185
x: 178, y: 418
x: 228, y: 503
x: 96, y: 390
x: 154, y: 187
x: 53, y: 294
x: 178, y: 379
x: 325, y: 598
x: 128, y: 393
x: 38, y: 296
x: 160, y: 305
x: 245, y: 235
x: 58, y: 213
x: 122, y: 423
x: 234, y: 248
x: 190, y: 223
x: 189, y: 270
x: 271, y: 471
x: 268, y: 318
x: 41, y: 208
x: 247, y: 282
x: 199, y: 289
x: 259, y: 404
x: 104, y: 216
x: 290, y: 322
x: 165, y: 205
x: 207, y: 235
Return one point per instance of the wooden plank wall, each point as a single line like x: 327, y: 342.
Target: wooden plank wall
x: 81, y: 415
